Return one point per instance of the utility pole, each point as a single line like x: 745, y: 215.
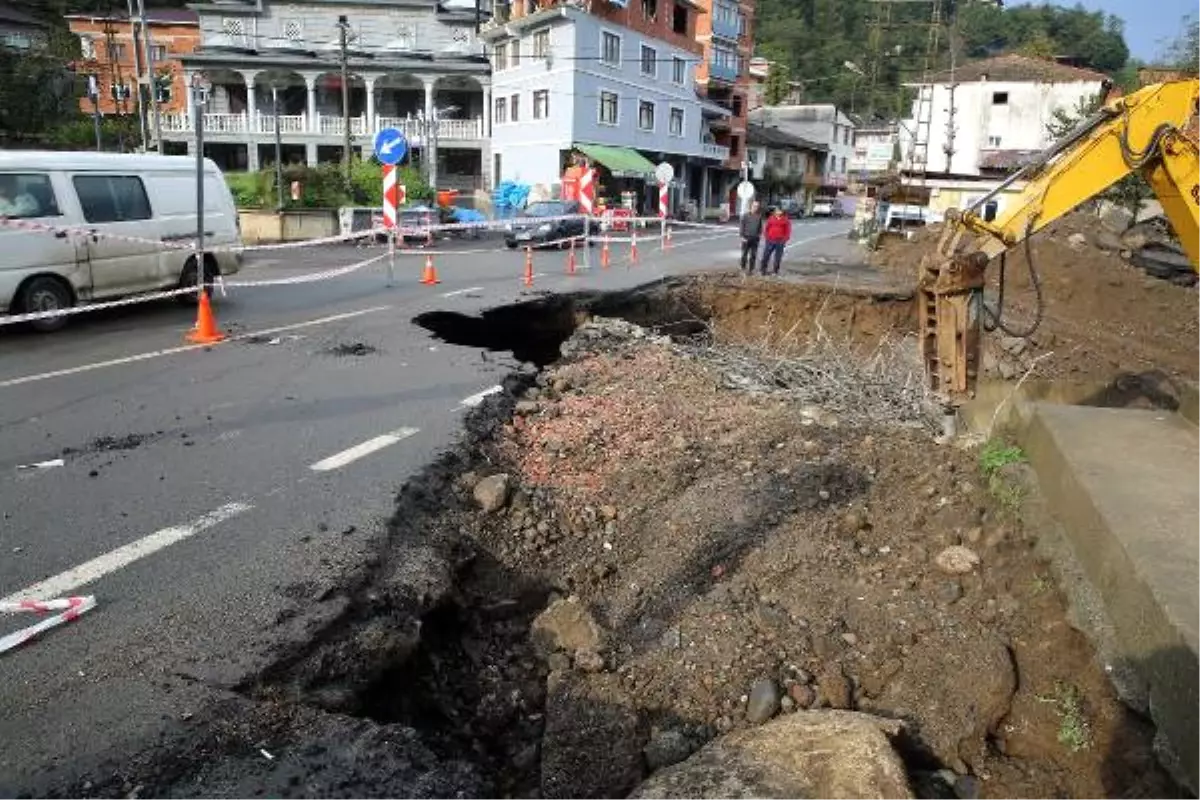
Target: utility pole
x: 153, y: 79
x: 137, y: 68
x: 343, y: 25
x: 278, y: 150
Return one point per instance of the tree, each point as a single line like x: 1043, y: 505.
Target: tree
x: 1040, y: 46
x: 1182, y: 53
x: 1131, y: 191
x: 779, y: 76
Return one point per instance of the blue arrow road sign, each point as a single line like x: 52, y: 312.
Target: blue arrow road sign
x: 390, y: 146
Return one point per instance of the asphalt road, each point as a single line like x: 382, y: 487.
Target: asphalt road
x: 208, y: 496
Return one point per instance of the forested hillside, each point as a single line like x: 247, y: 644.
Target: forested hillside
x: 814, y: 39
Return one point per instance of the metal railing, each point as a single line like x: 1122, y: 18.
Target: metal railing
x: 325, y: 125
x: 717, y: 151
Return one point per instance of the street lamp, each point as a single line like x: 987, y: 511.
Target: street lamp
x: 276, y: 84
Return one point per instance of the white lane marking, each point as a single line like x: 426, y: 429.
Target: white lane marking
x: 124, y: 556
x: 54, y: 462
x: 345, y: 457
x: 477, y: 398
x: 116, y: 362
x: 462, y: 291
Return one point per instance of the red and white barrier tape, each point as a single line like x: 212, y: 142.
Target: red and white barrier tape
x: 72, y: 608
x: 124, y: 301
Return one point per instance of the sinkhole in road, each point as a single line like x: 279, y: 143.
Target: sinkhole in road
x: 534, y: 330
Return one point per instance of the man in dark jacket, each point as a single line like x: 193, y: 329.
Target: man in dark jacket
x: 751, y: 231
x: 778, y: 230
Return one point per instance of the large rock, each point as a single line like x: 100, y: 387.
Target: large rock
x: 590, y: 746
x: 492, y: 492
x: 567, y: 625
x: 954, y: 690
x: 806, y: 754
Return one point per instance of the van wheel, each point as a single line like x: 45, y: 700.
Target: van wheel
x: 46, y: 294
x: 187, y: 279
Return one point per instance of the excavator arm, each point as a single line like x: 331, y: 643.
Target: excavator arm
x: 1145, y: 131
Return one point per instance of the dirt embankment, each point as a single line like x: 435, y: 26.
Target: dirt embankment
x: 652, y: 543
x: 1105, y: 320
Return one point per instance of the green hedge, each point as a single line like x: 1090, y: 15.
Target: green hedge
x: 323, y: 186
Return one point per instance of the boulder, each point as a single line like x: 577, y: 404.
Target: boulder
x: 567, y: 625
x: 492, y: 492
x: 806, y: 754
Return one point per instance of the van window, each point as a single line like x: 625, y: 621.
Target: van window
x: 26, y: 195
x: 112, y: 198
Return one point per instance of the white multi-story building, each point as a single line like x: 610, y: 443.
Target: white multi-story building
x: 416, y: 65
x: 821, y: 123
x: 990, y: 115
x: 568, y: 82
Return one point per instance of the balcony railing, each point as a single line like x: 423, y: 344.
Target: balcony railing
x: 326, y: 125
x: 717, y: 151
x: 722, y: 72
x: 725, y: 28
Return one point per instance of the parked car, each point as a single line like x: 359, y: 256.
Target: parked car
x: 792, y: 207
x: 130, y: 205
x: 528, y: 231
x: 827, y: 207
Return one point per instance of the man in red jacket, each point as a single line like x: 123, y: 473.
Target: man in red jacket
x: 776, y: 232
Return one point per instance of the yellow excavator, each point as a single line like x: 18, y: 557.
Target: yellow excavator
x: 1150, y: 131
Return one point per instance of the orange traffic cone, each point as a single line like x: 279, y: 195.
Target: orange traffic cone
x: 571, y: 259
x: 528, y: 267
x: 429, y: 277
x: 633, y: 255
x: 205, y: 331
x: 604, y: 256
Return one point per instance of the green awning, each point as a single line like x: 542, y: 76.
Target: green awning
x: 622, y: 162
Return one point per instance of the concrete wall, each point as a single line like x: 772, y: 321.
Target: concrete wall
x: 291, y: 226
x: 982, y: 124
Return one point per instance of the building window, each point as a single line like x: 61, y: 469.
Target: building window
x: 650, y: 8
x: 541, y: 44
x: 680, y: 21
x: 608, y: 108
x: 735, y: 146
x: 741, y: 24
x: 678, y: 70
x: 646, y: 115
x: 116, y: 51
x: 158, y: 52
x: 738, y: 103
x: 501, y: 114
x: 514, y: 53
x: 610, y: 49
x: 794, y: 162
x: 514, y: 108
x: 87, y: 47
x: 499, y: 57
x: 676, y: 122
x: 846, y: 136
x: 649, y: 61
x: 999, y: 98
x: 541, y: 104
x: 993, y: 141
x: 112, y: 198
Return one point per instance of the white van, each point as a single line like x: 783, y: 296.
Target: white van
x: 150, y: 197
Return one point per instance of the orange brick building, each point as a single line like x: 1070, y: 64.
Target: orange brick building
x: 107, y: 51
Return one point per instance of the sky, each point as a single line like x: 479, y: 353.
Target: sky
x: 1150, y: 25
